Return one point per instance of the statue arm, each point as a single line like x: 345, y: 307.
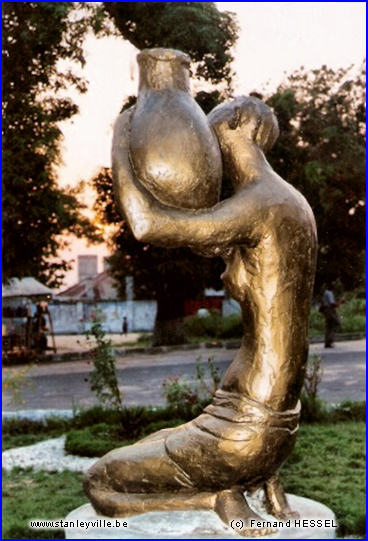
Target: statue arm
x: 131, y: 202
x: 227, y: 223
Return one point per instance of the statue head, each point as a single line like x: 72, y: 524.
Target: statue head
x: 247, y: 117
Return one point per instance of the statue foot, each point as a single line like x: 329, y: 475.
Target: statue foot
x: 286, y: 514
x: 257, y: 532
x: 232, y: 507
x: 276, y: 501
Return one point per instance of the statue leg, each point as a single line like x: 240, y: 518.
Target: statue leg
x: 119, y: 504
x: 276, y: 501
x: 233, y: 509
x: 139, y: 478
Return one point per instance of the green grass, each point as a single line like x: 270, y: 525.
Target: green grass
x: 31, y: 495
x: 327, y: 464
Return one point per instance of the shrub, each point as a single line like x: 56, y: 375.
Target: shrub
x: 195, y: 326
x: 232, y: 326
x: 352, y: 315
x: 316, y: 324
x: 319, y: 411
x: 313, y: 409
x: 214, y: 326
x: 103, y: 378
x: 14, y: 382
x: 204, y: 390
x: 313, y: 376
x: 348, y: 411
x: 13, y: 427
x: 95, y: 415
x: 180, y: 394
x: 97, y: 440
x: 132, y: 420
x: 93, y: 441
x: 354, y: 323
x: 352, y: 318
x: 159, y: 425
x: 188, y: 398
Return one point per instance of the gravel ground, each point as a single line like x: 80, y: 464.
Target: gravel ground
x: 47, y: 455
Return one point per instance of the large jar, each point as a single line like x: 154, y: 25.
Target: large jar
x: 173, y: 150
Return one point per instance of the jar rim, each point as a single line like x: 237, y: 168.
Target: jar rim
x: 166, y: 55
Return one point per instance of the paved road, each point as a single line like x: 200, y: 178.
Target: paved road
x: 65, y: 385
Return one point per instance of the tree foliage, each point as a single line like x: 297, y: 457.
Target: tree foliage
x: 197, y: 28
x: 36, y: 37
x: 321, y: 151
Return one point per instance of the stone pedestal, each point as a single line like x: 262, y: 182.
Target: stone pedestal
x: 316, y: 522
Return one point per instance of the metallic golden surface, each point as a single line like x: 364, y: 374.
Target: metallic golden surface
x: 267, y: 236
x: 173, y: 150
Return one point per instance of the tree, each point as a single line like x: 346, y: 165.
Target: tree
x: 170, y: 276
x: 321, y: 151
x: 197, y: 28
x: 36, y: 36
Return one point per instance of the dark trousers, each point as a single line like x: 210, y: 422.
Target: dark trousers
x: 332, y: 323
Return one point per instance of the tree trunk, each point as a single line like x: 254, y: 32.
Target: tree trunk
x: 169, y: 332
x: 169, y: 328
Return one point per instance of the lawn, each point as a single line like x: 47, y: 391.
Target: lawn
x: 328, y: 465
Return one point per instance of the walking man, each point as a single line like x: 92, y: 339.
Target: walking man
x: 332, y: 321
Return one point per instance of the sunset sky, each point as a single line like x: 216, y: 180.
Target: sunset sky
x: 275, y: 39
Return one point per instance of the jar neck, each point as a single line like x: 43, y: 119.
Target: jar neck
x: 160, y: 74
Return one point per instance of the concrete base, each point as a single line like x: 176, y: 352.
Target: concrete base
x: 199, y: 524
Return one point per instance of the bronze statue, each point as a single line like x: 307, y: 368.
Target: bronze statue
x: 267, y: 236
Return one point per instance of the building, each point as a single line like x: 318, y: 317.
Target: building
x: 74, y: 309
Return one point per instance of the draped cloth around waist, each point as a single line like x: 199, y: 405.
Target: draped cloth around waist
x: 242, y: 415
x: 235, y: 440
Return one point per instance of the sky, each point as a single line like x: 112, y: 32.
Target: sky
x: 275, y: 38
